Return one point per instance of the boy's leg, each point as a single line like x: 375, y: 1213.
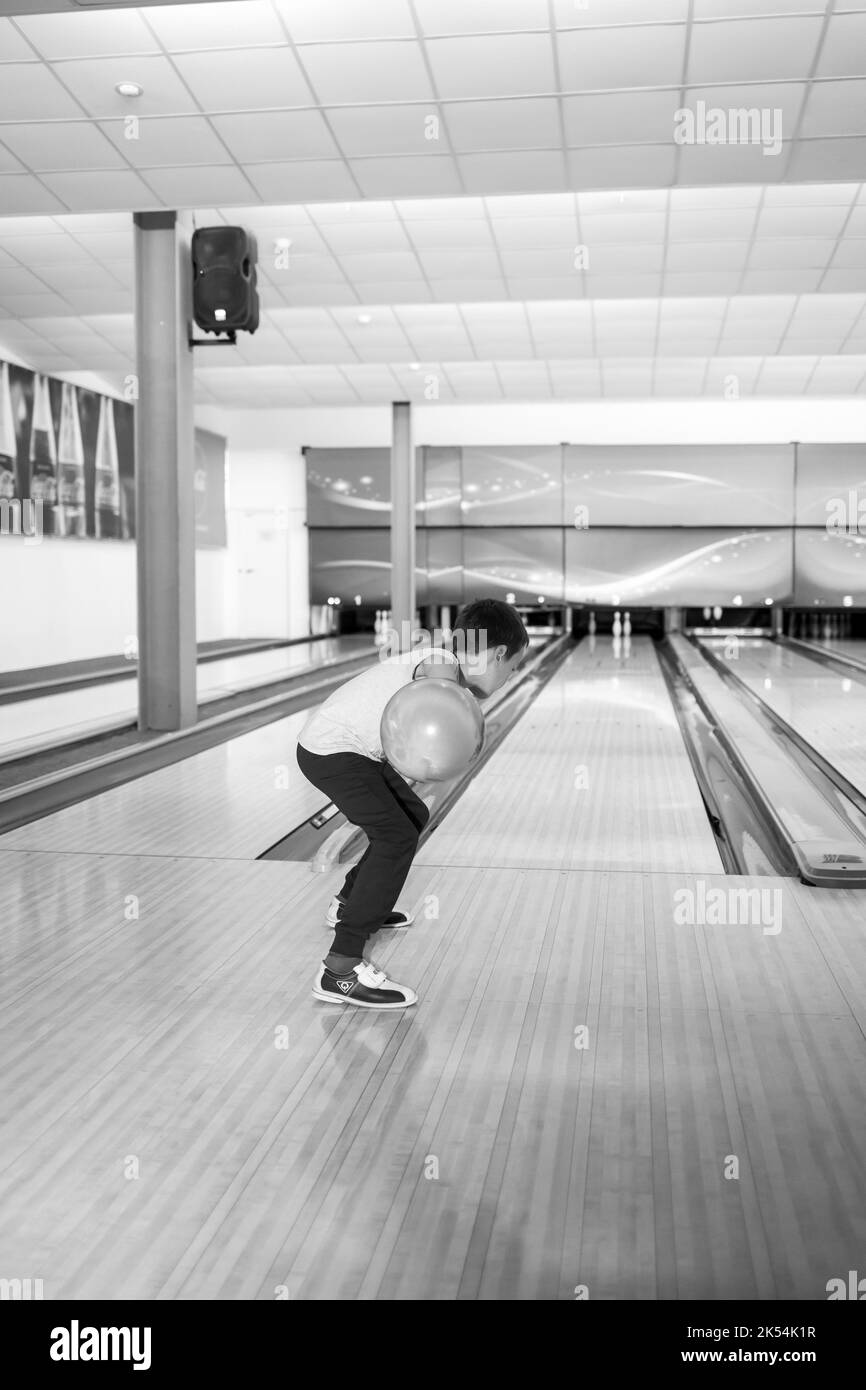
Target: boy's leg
x: 358, y: 786
x: 414, y: 807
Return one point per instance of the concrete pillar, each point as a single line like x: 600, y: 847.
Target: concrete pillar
x: 164, y: 469
x: 402, y: 525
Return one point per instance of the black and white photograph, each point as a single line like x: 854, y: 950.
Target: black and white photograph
x: 433, y: 671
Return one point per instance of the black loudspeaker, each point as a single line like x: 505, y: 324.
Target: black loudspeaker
x: 225, y: 299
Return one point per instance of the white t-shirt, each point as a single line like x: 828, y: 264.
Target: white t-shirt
x: 349, y: 720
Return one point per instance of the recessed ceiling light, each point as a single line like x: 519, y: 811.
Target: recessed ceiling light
x: 129, y: 89
x: 414, y: 366
x: 365, y: 318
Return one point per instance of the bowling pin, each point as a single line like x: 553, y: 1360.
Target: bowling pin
x: 626, y: 647
x: 717, y: 613
x: 8, y: 444
x: 592, y: 623
x: 626, y: 625
x: 826, y: 631
x: 107, y: 482
x: 707, y: 614
x: 617, y: 625
x: 43, y: 454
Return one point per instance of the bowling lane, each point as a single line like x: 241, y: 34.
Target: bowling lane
x: 231, y: 802
x: 826, y: 708
x: 847, y: 646
x: 50, y: 720
x: 594, y: 776
x: 305, y: 1166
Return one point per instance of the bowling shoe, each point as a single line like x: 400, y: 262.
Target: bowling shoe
x: 366, y: 987
x: 394, y: 919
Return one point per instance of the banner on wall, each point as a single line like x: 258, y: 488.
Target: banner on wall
x: 72, y: 451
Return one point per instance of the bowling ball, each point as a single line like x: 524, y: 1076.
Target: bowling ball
x: 431, y: 730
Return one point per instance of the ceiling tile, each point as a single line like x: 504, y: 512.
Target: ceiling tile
x: 304, y: 179
x: 460, y: 265
x: 61, y: 144
x: 345, y: 73
x: 730, y: 164
x: 621, y: 166
x: 835, y: 108
x: 110, y: 188
x: 262, y: 135
x: 366, y: 236
x: 22, y: 193
x: 168, y: 140
x: 608, y: 228
x: 837, y: 279
x: 801, y: 222
x: 639, y: 56
x: 88, y: 35
x: 92, y: 81
x: 532, y: 123
x: 309, y: 20
x: 770, y: 281
x: 723, y: 9
x: 382, y: 130
x: 13, y: 45
x: 504, y: 65
x: 753, y: 50
x: 572, y: 13
x: 29, y: 91
x: 828, y: 159
x: 480, y: 16
x: 507, y: 172
x: 843, y: 53
x: 437, y: 235
x: 22, y: 306
x: 240, y: 79
x: 397, y: 292
x: 811, y: 195
x: 382, y: 178
x: 710, y: 255
x: 771, y: 253
x: 230, y: 24
x: 385, y: 265
x: 8, y: 163
x: 188, y: 186
x: 531, y: 232
x: 620, y: 118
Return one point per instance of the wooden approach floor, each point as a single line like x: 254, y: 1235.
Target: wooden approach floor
x: 181, y: 1119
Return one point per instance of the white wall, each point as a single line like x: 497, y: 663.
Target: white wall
x: 831, y: 421
x: 67, y: 600
x: 265, y: 581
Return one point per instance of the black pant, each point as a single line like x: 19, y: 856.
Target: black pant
x: 376, y: 798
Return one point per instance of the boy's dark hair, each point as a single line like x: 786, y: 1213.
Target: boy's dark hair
x: 497, y: 620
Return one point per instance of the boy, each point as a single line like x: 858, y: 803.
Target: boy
x: 340, y: 752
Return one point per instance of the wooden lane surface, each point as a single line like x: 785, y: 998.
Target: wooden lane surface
x: 827, y: 708
x: 232, y: 801
x: 463, y: 1149
x: 595, y: 775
